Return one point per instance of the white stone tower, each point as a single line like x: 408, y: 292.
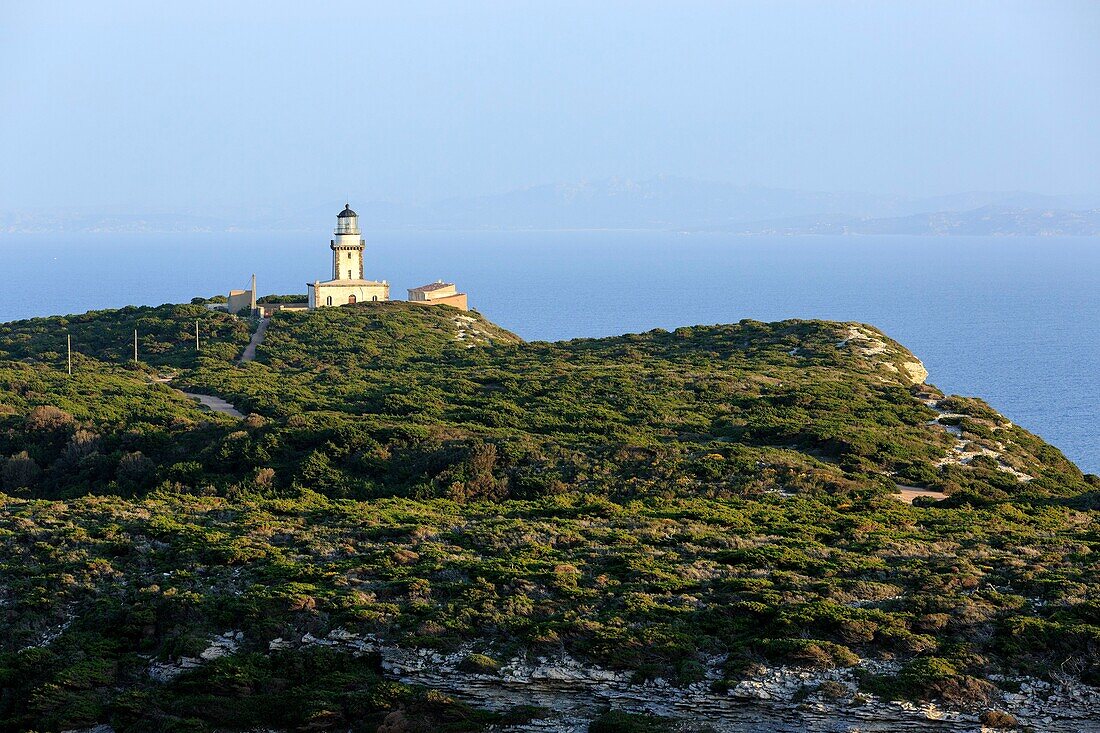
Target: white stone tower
x: 347, y: 247
x: 347, y: 286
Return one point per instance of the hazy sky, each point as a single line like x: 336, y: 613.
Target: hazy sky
x: 226, y: 103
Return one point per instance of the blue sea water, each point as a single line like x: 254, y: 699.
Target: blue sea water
x: 1015, y: 321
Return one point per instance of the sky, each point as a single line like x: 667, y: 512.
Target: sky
x: 207, y: 105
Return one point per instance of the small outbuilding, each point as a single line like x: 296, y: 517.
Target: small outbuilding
x: 439, y: 293
x: 242, y: 301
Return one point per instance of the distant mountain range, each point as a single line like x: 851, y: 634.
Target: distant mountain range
x: 992, y: 220
x: 663, y: 203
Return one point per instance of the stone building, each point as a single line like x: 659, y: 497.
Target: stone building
x: 438, y: 293
x: 347, y: 284
x: 242, y: 301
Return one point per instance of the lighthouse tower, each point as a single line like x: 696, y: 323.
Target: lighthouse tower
x: 347, y: 247
x: 348, y: 286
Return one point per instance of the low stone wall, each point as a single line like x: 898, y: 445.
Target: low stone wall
x: 269, y: 309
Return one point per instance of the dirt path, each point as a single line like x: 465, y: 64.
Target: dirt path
x: 908, y: 493
x: 217, y: 404
x: 257, y: 339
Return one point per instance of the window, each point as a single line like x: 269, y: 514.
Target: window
x: 349, y: 274
x: 328, y: 300
x: 375, y: 298
x: 351, y: 300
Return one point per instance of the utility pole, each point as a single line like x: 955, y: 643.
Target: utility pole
x: 196, y: 334
x: 69, y: 348
x: 135, y: 346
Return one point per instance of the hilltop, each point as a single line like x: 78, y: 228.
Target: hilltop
x: 702, y: 506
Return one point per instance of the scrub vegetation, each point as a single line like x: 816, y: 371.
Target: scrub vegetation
x: 653, y: 502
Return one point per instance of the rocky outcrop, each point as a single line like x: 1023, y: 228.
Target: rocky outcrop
x: 914, y: 371
x: 218, y: 647
x: 964, y: 451
x: 777, y: 699
x: 469, y: 333
x: 877, y: 348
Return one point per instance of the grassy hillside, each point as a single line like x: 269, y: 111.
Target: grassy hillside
x: 650, y: 502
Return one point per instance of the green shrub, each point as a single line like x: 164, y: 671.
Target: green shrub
x: 617, y: 721
x: 479, y: 664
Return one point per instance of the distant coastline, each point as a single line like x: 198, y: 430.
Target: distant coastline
x: 1010, y: 223
x: 663, y: 204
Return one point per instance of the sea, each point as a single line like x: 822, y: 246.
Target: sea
x: 1013, y: 320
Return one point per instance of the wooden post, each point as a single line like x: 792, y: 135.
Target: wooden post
x: 196, y: 334
x: 135, y: 346
x: 69, y: 348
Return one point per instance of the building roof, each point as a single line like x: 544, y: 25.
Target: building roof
x: 346, y: 212
x: 439, y: 285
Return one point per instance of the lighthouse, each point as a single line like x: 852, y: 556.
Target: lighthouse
x: 347, y: 247
x: 348, y: 284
